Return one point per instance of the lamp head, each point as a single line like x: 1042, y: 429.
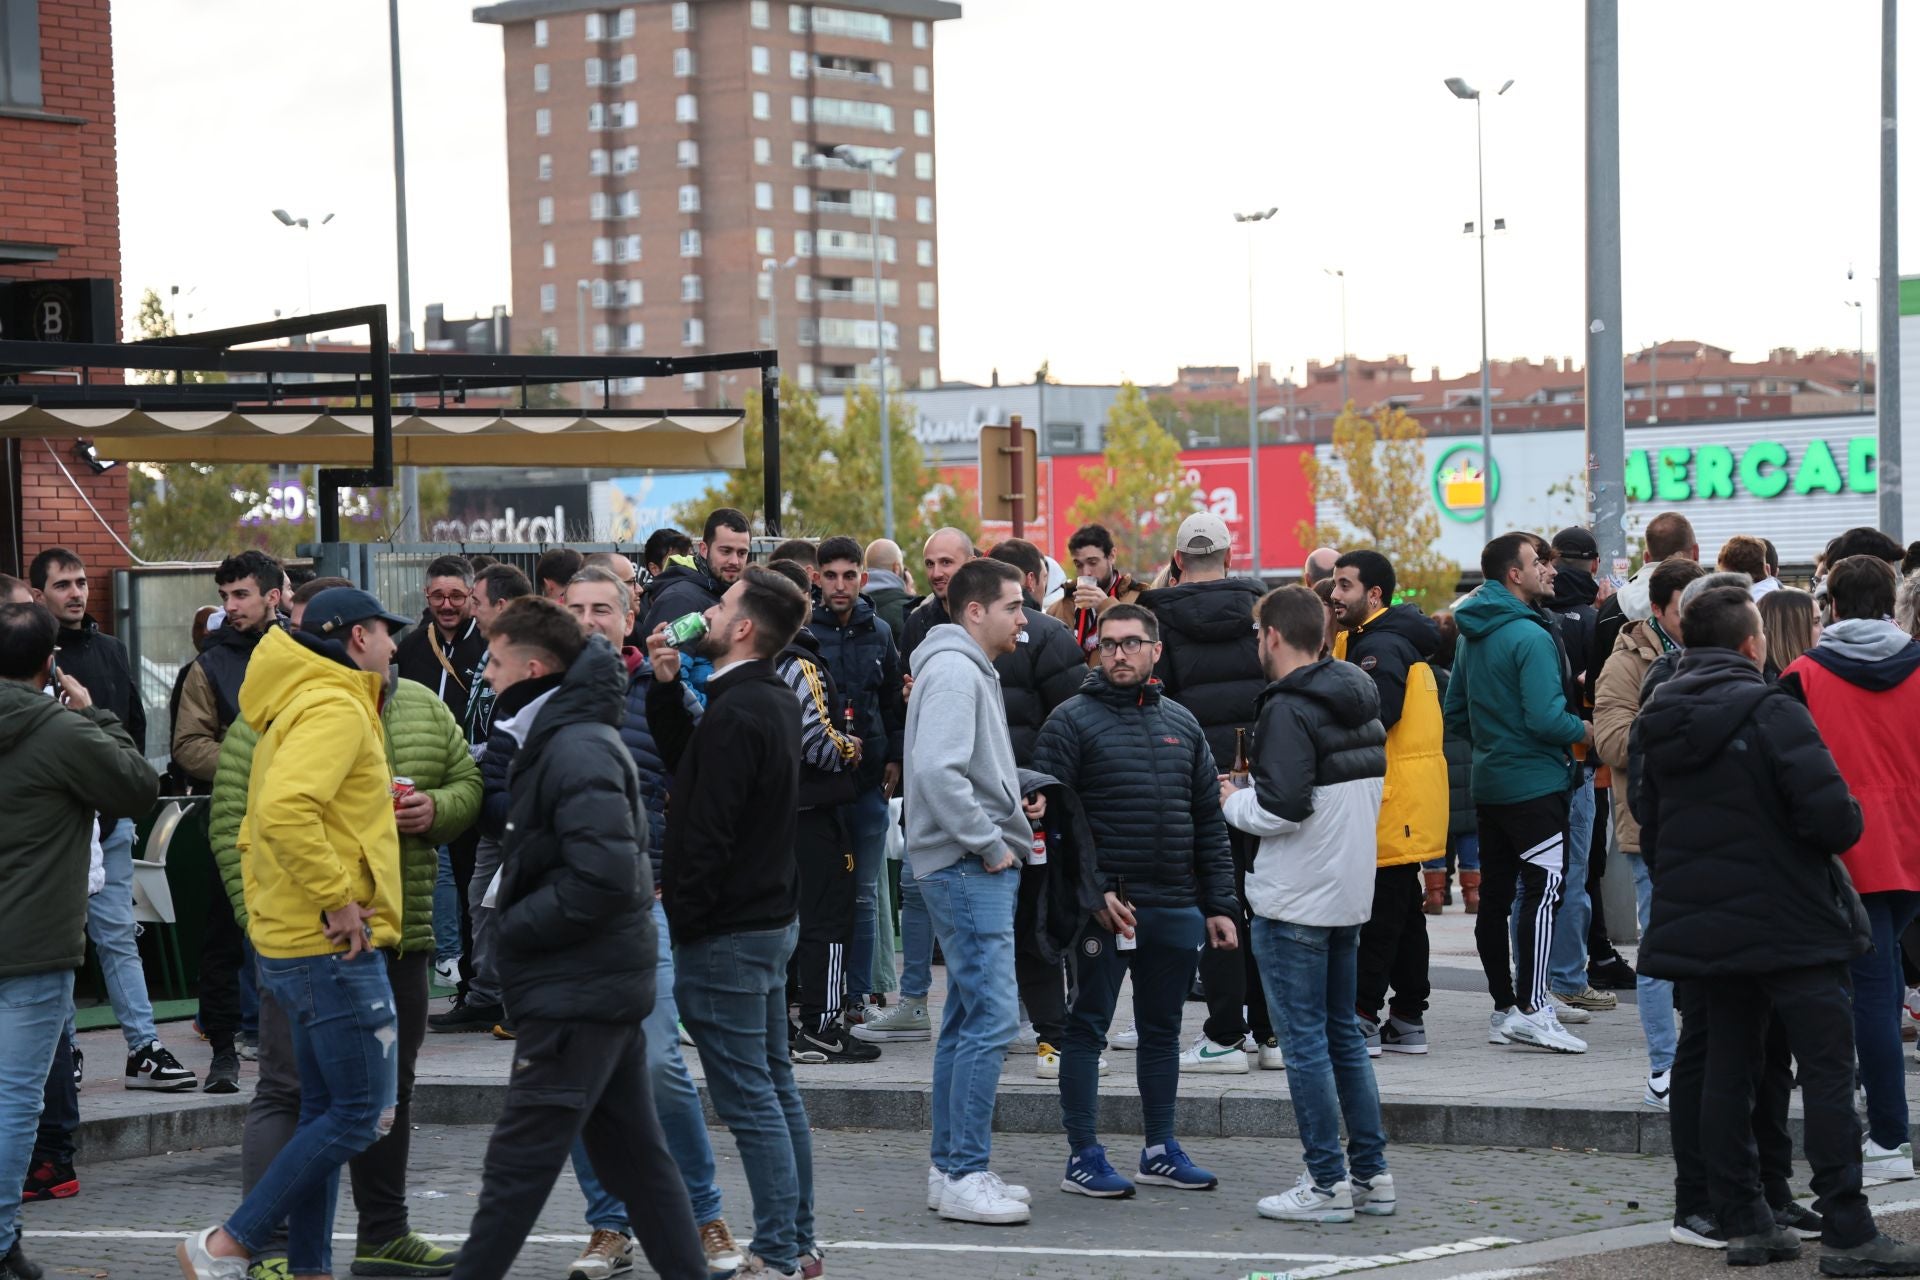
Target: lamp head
x: 1461, y: 89
x: 1503, y: 88
x: 286, y: 219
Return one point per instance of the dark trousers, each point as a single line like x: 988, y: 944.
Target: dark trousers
x: 460, y: 856
x: 824, y: 852
x: 585, y: 1081
x: 1773, y: 1090
x: 223, y: 951
x: 379, y: 1173
x: 1523, y: 854
x: 1813, y: 1006
x: 1236, y: 1000
x: 1599, y: 945
x: 1042, y: 984
x: 60, y: 1109
x: 1393, y: 946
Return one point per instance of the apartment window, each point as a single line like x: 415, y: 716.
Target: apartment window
x: 923, y: 209
x: 803, y: 199
x: 626, y: 160
x: 597, y: 162
x: 546, y: 211
x: 602, y: 250
x: 797, y: 64
x: 762, y: 106
x: 693, y: 382
x: 803, y: 244
x: 693, y: 332
x: 687, y: 153
x: 682, y: 16
x: 922, y: 80
x: 762, y: 60
x: 763, y: 242
x: 763, y: 195
x: 547, y: 297
x: 858, y: 26
x: 807, y: 332
x: 632, y: 386
x: 758, y: 13
x: 629, y: 69
x: 926, y: 295
x: 686, y: 109
x: 540, y: 33
x: 602, y: 337
x: 689, y: 243
x: 599, y: 293
x: 919, y: 35
x: 546, y: 168
x: 636, y: 336
x: 799, y: 109
x: 762, y: 151
x: 625, y: 29
x: 923, y: 165
x: 690, y: 289
x: 633, y: 247
x: 596, y: 26
x: 629, y: 206
x: 546, y: 254
x: 922, y: 122
x: 542, y: 77
x: 926, y: 337
x: 767, y: 338
x: 629, y: 115
x: 683, y: 62
x: 596, y: 117
x: 848, y: 113
x: 803, y: 288
x: 542, y: 122
x: 689, y: 199
x: 763, y: 286
x: 597, y: 205
x: 796, y: 18
x: 925, y: 255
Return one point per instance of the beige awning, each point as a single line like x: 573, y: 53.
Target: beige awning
x: 337, y: 438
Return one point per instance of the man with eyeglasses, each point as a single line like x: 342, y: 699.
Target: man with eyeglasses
x: 1147, y: 779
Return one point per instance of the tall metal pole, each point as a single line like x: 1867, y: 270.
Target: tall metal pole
x: 1606, y: 374
x: 1346, y: 351
x: 1486, y: 374
x: 1887, y: 335
x: 880, y: 355
x: 409, y: 478
x: 1253, y: 421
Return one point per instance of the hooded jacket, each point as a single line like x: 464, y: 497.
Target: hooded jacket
x: 887, y: 591
x: 1057, y: 900
x: 61, y: 768
x: 99, y: 662
x: 1043, y: 671
x: 1633, y: 602
x: 422, y: 743
x: 685, y: 585
x: 1395, y: 646
x: 1151, y: 791
x: 1574, y: 592
x: 1860, y: 685
x: 419, y: 659
x: 319, y: 829
x: 961, y: 787
x: 1319, y: 766
x: 1746, y: 810
x: 866, y: 670
x: 1616, y: 704
x: 1210, y: 663
x: 210, y: 698
x: 1508, y: 699
x: 575, y: 903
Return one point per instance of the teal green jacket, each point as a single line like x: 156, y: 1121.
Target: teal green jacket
x: 424, y: 743
x: 1507, y: 699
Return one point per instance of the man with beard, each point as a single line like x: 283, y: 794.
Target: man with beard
x: 444, y: 646
x: 694, y: 584
x: 1099, y: 587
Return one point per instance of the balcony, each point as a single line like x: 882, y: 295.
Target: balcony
x: 837, y: 295
x: 833, y: 206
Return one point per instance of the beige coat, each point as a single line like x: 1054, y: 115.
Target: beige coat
x: 1616, y: 701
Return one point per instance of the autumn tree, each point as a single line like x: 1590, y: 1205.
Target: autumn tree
x: 1376, y: 481
x: 1140, y: 492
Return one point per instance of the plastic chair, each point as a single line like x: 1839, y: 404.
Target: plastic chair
x: 153, y: 896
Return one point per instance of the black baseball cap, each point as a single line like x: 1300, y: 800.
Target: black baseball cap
x: 337, y: 609
x: 1576, y: 543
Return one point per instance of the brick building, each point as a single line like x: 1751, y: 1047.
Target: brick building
x: 59, y: 220
x: 674, y: 188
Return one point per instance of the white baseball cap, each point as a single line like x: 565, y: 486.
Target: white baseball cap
x: 1202, y: 534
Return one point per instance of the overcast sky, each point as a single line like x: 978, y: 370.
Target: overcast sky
x: 1091, y: 154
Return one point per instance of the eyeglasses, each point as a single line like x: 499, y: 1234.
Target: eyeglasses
x: 448, y: 597
x: 1128, y: 645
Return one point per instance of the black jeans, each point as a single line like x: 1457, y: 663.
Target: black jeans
x: 223, y: 950
x: 1523, y: 850
x: 1393, y: 946
x: 460, y: 856
x: 1236, y: 1000
x: 1813, y: 1006
x: 379, y: 1173
x: 587, y: 1081
x: 1599, y: 946
x: 823, y: 850
x: 1042, y: 984
x: 1773, y: 1090
x: 60, y: 1109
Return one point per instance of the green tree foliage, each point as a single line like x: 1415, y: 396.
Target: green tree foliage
x: 1139, y: 486
x: 1377, y: 480
x: 1204, y: 424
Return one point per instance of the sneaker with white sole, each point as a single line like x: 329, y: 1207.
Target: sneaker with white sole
x: 981, y: 1197
x: 1089, y: 1173
x: 1166, y: 1165
x: 1892, y: 1163
x: 1542, y: 1030
x: 1308, y: 1203
x: 1370, y: 1032
x: 937, y: 1187
x: 448, y: 971
x: 198, y: 1263
x: 1659, y: 1089
x: 1567, y: 1012
x: 1374, y: 1196
x: 1591, y: 999
x: 154, y: 1068
x: 1208, y: 1058
x: 1128, y: 1039
x: 1270, y: 1057
x: 608, y: 1253
x: 1046, y: 1063
x: 1398, y: 1035
x: 753, y: 1265
x: 723, y: 1252
x: 1700, y: 1230
x: 906, y: 1020
x: 1248, y: 1044
x: 1497, y: 1026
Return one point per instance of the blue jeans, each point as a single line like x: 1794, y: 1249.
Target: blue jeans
x: 1168, y: 951
x: 972, y: 912
x: 675, y: 1100
x: 1878, y: 990
x: 446, y: 910
x: 916, y: 939
x: 346, y: 1038
x: 34, y: 1008
x: 867, y: 826
x: 732, y: 991
x: 110, y: 926
x: 1567, y: 963
x: 1311, y: 977
x: 1655, y: 995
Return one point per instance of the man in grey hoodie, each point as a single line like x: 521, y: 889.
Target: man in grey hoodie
x: 965, y: 828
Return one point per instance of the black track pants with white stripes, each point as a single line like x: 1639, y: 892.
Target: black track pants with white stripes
x: 1523, y: 854
x: 823, y: 850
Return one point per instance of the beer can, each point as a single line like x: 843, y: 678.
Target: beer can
x: 1038, y: 858
x: 402, y: 788
x: 687, y: 628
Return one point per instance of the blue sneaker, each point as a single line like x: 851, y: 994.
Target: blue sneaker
x: 1168, y: 1166
x: 1089, y: 1174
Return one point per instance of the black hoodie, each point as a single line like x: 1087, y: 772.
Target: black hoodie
x: 1575, y: 619
x: 680, y: 589
x: 99, y: 662
x: 1211, y: 661
x: 1389, y: 645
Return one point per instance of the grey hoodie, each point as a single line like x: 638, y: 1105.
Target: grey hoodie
x: 962, y: 787
x: 1864, y: 639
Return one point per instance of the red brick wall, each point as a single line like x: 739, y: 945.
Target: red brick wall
x: 59, y: 187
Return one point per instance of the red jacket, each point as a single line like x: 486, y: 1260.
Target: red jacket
x: 1866, y: 712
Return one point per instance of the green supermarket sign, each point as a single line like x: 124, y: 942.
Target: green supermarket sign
x: 1762, y: 469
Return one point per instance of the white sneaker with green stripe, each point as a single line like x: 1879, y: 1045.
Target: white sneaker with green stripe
x: 1208, y: 1058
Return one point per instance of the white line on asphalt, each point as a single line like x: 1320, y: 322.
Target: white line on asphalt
x: 1340, y: 1266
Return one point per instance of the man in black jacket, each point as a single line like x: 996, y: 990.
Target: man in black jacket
x: 1743, y: 813
x: 694, y: 584
x: 1142, y: 770
x: 444, y: 647
x: 577, y: 955
x: 731, y: 890
x: 1210, y: 665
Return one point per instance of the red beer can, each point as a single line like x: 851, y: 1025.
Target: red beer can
x: 402, y: 788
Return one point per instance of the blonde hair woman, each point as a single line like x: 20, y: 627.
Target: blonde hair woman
x: 1793, y: 626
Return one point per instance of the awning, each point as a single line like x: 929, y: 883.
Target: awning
x: 333, y: 438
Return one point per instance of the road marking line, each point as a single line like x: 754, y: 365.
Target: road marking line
x: 1340, y: 1266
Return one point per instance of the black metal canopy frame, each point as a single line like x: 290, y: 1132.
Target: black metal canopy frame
x: 371, y: 378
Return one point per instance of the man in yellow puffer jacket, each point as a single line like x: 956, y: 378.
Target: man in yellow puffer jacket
x: 320, y: 859
x: 1394, y: 644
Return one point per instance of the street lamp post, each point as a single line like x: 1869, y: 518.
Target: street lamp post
x: 1253, y: 398
x: 305, y: 225
x: 773, y: 267
x: 848, y: 156
x: 409, y: 477
x: 1346, y: 390
x: 1860, y: 310
x: 1461, y: 89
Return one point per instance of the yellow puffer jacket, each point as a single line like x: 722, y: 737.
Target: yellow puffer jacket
x: 319, y: 831
x: 1393, y: 647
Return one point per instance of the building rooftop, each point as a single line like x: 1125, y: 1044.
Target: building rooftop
x: 509, y: 11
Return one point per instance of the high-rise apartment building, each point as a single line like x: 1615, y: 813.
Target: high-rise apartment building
x: 692, y: 175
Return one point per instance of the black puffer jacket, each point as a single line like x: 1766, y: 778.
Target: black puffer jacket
x: 1748, y: 813
x: 1141, y: 766
x: 1211, y: 664
x: 575, y: 903
x: 1043, y: 671
x: 496, y: 765
x: 677, y: 590
x: 1461, y: 819
x: 866, y: 669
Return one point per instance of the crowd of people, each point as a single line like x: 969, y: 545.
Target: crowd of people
x: 623, y: 808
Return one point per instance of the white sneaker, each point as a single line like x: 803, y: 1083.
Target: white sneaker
x: 1046, y: 1065
x: 1208, y: 1058
x: 1376, y: 1198
x: 1894, y: 1164
x: 1659, y: 1088
x: 1128, y: 1039
x: 937, y: 1187
x: 1025, y: 1038
x: 981, y: 1197
x: 608, y: 1253
x: 755, y: 1265
x: 1270, y: 1059
x: 1248, y: 1044
x: 1567, y: 1012
x: 1543, y: 1031
x: 196, y: 1263
x: 1308, y: 1203
x: 1497, y: 1026
x: 448, y: 971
